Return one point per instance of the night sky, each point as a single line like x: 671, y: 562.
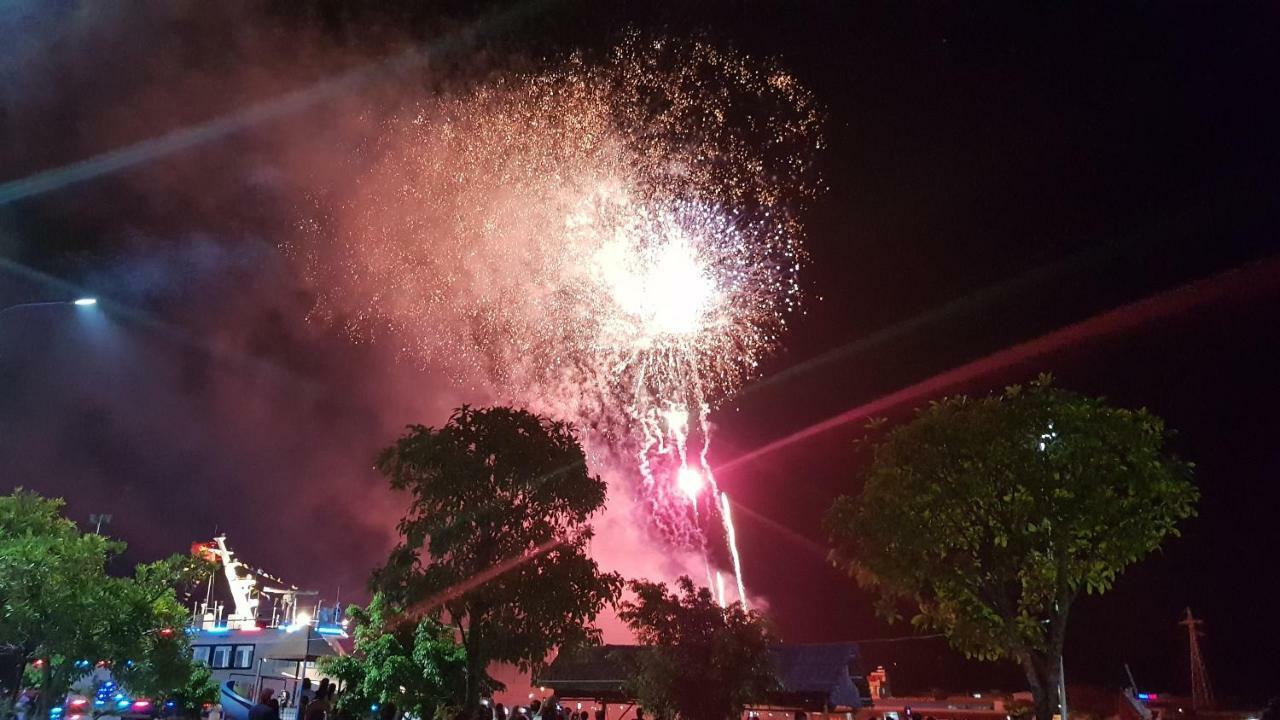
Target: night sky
x: 996, y: 172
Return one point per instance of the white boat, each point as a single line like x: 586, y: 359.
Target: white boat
x: 268, y: 636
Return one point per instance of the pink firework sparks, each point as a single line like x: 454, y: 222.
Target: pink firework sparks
x: 613, y: 243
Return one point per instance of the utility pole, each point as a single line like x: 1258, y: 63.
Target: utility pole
x: 1201, y: 691
x: 99, y: 521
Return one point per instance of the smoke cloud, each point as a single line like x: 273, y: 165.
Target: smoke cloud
x: 239, y: 376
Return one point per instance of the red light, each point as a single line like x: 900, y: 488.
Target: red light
x: 1154, y: 696
x: 79, y: 701
x: 141, y: 704
x: 167, y: 632
x: 38, y: 663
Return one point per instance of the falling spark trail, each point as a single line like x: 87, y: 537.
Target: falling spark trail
x: 711, y: 576
x: 732, y: 536
x: 1258, y: 277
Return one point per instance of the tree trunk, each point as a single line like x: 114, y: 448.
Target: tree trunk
x: 1043, y: 674
x: 41, y: 709
x: 14, y: 679
x: 475, y: 667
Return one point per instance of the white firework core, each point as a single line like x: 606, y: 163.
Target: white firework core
x: 615, y: 243
x: 690, y: 482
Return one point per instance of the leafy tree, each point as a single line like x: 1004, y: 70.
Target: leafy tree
x: 59, y: 607
x: 992, y: 515
x: 495, y: 538
x: 195, y: 692
x: 701, y: 661
x: 150, y: 627
x: 417, y: 666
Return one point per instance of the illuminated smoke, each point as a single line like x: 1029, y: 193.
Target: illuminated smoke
x: 612, y: 243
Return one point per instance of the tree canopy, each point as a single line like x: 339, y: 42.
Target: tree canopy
x: 415, y: 665
x: 495, y: 537
x: 700, y: 661
x: 991, y: 515
x: 59, y: 606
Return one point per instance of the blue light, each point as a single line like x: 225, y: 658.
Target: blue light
x: 170, y: 703
x: 123, y: 703
x: 218, y: 630
x: 373, y: 707
x: 331, y: 631
x: 1144, y: 696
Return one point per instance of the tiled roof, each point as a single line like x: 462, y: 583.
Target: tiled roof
x: 817, y: 673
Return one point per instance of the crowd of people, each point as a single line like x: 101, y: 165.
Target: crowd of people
x: 320, y: 703
x: 537, y: 710
x: 313, y: 703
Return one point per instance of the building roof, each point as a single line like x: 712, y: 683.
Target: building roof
x: 818, y: 671
x: 814, y: 676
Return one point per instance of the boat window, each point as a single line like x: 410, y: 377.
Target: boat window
x: 244, y: 656
x: 200, y: 653
x: 221, y: 656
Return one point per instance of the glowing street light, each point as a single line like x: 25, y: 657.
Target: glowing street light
x: 79, y: 302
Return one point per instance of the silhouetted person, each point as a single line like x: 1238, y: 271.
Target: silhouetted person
x: 639, y: 713
x: 318, y: 709
x: 264, y: 710
x: 305, y: 695
x: 600, y: 714
x: 499, y: 712
x: 1273, y: 710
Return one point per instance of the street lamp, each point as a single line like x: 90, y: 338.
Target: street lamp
x: 79, y: 302
x: 99, y: 521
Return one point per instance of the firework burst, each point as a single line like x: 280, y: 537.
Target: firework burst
x: 613, y: 242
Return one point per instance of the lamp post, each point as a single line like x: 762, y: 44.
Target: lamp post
x: 99, y: 520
